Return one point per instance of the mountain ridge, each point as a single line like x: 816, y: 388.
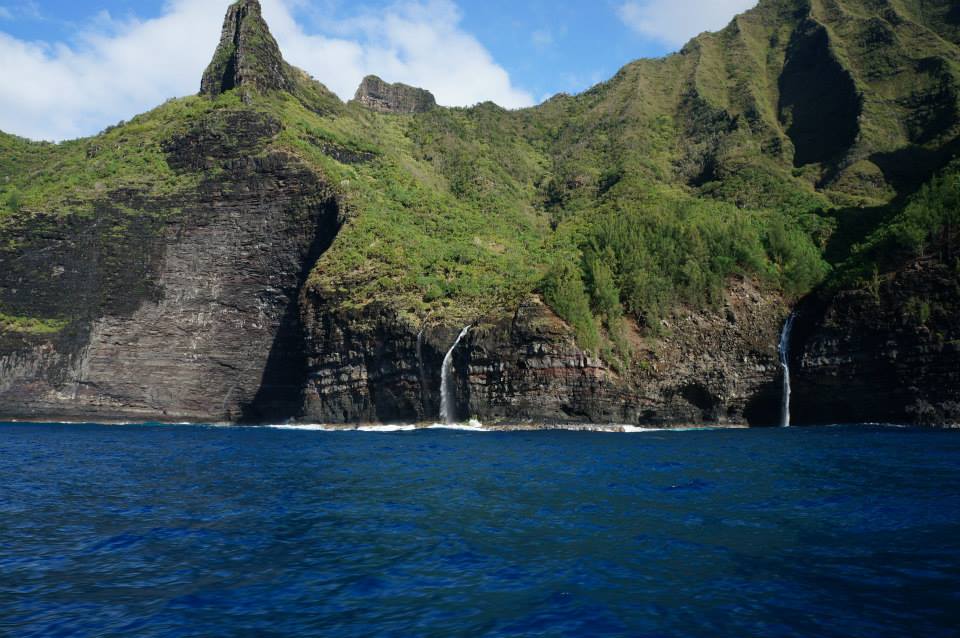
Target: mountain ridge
x: 598, y: 243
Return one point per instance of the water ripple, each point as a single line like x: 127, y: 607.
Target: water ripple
x: 199, y: 531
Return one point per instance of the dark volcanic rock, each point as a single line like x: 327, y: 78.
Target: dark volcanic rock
x: 192, y: 315
x: 889, y: 355
x: 369, y: 365
x: 223, y: 136
x: 377, y: 95
x: 247, y: 56
x: 363, y: 366
x: 707, y: 368
x: 190, y: 302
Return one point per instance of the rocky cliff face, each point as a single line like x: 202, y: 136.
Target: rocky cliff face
x: 247, y: 55
x: 377, y: 95
x: 888, y: 354
x: 715, y: 367
x: 206, y: 300
x: 193, y: 316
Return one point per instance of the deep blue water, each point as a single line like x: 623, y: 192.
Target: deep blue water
x: 194, y: 531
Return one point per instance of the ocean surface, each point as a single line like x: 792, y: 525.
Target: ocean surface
x: 202, y: 531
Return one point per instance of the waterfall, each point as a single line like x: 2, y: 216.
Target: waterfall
x: 423, y: 374
x: 447, y: 400
x: 785, y: 364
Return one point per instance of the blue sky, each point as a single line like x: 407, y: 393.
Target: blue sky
x: 81, y: 66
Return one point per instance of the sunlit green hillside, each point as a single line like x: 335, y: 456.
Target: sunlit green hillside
x: 745, y: 153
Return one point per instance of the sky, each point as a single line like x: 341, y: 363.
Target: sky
x: 70, y: 68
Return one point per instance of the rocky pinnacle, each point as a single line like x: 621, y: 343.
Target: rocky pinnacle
x: 247, y: 56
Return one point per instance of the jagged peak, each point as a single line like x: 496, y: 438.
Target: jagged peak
x: 377, y: 95
x: 248, y: 56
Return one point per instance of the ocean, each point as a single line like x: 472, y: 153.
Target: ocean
x: 174, y: 531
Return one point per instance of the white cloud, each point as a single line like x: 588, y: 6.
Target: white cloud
x: 674, y: 22
x: 118, y: 68
x: 28, y: 9
x: 415, y: 42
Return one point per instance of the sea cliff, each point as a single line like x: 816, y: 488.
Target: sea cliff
x: 264, y: 252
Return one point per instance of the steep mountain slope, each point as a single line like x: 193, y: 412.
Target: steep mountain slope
x: 152, y: 272
x: 263, y: 251
x: 881, y: 341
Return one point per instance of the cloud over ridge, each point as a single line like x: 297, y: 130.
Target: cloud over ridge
x: 674, y: 22
x: 117, y: 68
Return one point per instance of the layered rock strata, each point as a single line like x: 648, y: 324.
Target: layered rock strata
x: 193, y: 316
x: 888, y: 353
x: 715, y: 367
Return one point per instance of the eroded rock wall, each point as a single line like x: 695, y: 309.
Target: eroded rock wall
x: 363, y: 365
x: 377, y: 95
x: 708, y: 367
x: 717, y: 367
x: 887, y: 353
x: 192, y: 317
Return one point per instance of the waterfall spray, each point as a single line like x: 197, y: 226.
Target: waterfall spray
x: 785, y: 364
x: 447, y: 407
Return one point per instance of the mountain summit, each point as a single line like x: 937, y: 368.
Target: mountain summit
x: 377, y: 95
x: 247, y: 56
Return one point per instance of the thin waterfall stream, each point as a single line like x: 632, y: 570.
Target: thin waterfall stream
x: 447, y: 400
x: 423, y: 373
x: 785, y: 364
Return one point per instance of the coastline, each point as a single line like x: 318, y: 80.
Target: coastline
x: 472, y: 426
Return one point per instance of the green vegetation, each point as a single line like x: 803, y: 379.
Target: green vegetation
x: 928, y: 223
x: 683, y: 251
x: 919, y: 310
x: 412, y: 236
x: 642, y: 255
x: 640, y: 196
x: 564, y: 290
x: 926, y: 227
x: 67, y: 178
x: 31, y: 325
x: 13, y: 201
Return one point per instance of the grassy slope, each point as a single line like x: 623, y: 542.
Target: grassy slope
x: 643, y: 193
x: 432, y: 241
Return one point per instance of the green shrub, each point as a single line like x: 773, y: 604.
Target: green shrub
x: 603, y: 289
x: 644, y: 259
x: 13, y: 201
x: 926, y: 226
x: 564, y: 291
x: 31, y: 325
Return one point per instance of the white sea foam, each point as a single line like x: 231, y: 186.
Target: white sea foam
x: 113, y: 423
x: 302, y: 427
x: 632, y: 429
x: 387, y: 428
x: 472, y: 426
